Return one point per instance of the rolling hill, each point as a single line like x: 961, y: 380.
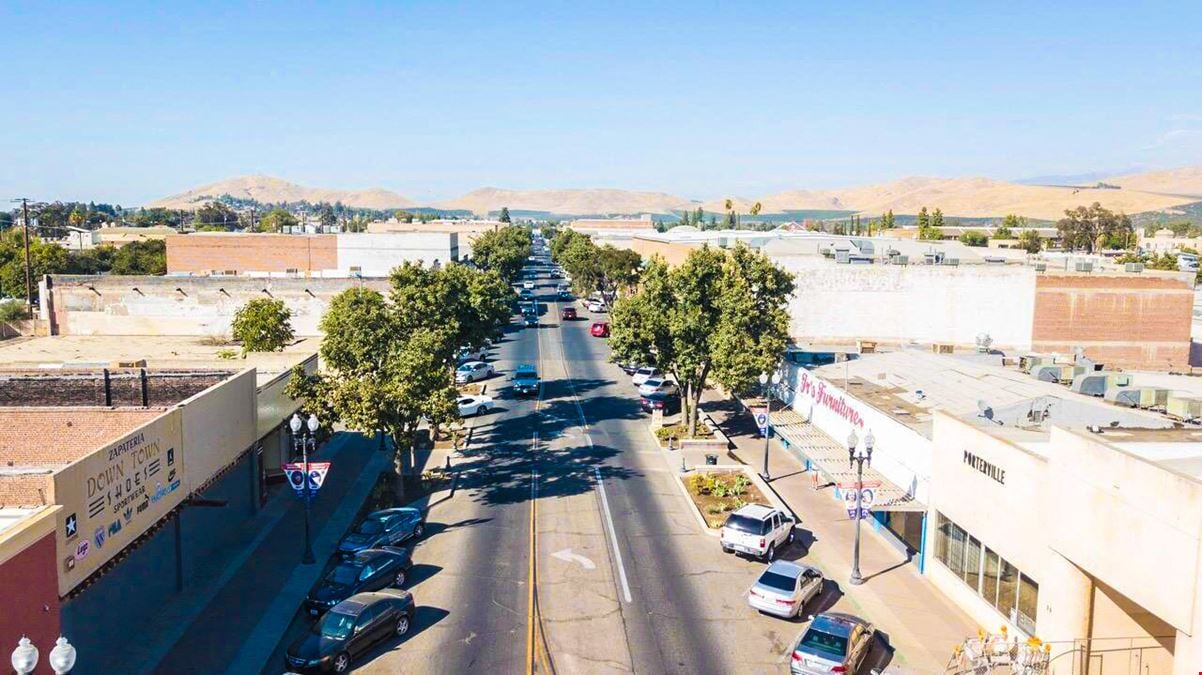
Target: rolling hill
x: 566, y: 202
x: 270, y: 190
x: 1183, y: 181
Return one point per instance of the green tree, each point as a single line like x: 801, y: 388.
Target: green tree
x: 1087, y: 227
x: 95, y: 260
x: 503, y: 251
x: 1029, y: 241
x: 924, y: 219
x: 327, y: 217
x: 276, y: 220
x: 974, y: 238
x: 141, y: 258
x: 216, y: 216
x: 719, y: 314
x: 1009, y: 224
x: 504, y: 217
x: 263, y: 325
x: 44, y: 258
x: 937, y: 218
x: 887, y: 221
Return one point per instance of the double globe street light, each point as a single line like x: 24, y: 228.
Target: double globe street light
x: 768, y: 414
x: 304, y: 441
x: 858, y: 458
x: 25, y: 656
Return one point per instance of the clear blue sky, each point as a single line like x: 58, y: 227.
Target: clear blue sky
x: 131, y: 101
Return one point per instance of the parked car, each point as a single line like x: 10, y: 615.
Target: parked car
x: 384, y: 528
x: 833, y: 643
x: 629, y: 368
x: 525, y: 380
x: 784, y: 588
x: 472, y: 371
x: 349, y: 629
x: 658, y: 384
x: 643, y: 374
x: 469, y: 354
x: 596, y: 306
x: 757, y: 530
x: 600, y: 329
x: 371, y: 569
x: 668, y: 403
x: 470, y: 406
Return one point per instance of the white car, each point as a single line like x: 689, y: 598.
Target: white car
x: 472, y: 371
x: 594, y: 306
x: 757, y: 530
x: 643, y: 374
x: 470, y: 406
x: 784, y: 588
x: 658, y: 385
x: 528, y: 284
x: 467, y: 354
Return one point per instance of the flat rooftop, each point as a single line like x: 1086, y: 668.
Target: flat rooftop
x: 50, y: 438
x: 10, y: 516
x: 167, y: 352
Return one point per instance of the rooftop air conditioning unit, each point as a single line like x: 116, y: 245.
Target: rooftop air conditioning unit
x: 1083, y: 266
x: 1040, y: 266
x: 943, y: 348
x: 1135, y: 268
x: 952, y: 262
x: 900, y: 260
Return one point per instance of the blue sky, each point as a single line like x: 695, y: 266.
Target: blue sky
x: 125, y: 102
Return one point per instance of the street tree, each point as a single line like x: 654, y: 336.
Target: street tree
x: 503, y: 251
x: 263, y: 325
x: 505, y: 217
x: 276, y: 220
x: 1087, y: 227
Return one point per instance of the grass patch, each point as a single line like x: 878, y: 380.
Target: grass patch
x: 471, y: 389
x: 679, y: 431
x: 717, y: 493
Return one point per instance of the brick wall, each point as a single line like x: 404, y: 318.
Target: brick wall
x: 1123, y: 320
x: 87, y: 388
x: 242, y: 253
x: 29, y: 587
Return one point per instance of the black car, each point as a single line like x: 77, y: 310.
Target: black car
x: 668, y: 403
x: 349, y: 629
x: 384, y: 528
x: 369, y: 570
x: 629, y: 367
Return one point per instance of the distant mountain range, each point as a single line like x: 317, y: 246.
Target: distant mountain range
x: 971, y: 197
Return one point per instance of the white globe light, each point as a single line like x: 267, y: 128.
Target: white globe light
x: 776, y: 377
x: 763, y: 378
x: 25, y: 656
x: 295, y: 423
x: 313, y: 423
x: 62, y: 657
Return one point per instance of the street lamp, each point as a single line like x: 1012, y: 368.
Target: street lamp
x: 858, y: 458
x: 25, y: 656
x: 768, y: 415
x: 304, y: 441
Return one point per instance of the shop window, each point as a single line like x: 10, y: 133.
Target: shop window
x: 1028, y: 601
x: 1007, y: 589
x: 949, y: 546
x: 989, y: 580
x: 972, y: 564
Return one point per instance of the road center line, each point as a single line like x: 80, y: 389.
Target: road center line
x: 609, y: 519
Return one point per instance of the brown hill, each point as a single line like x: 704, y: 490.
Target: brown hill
x: 269, y: 190
x: 1186, y: 180
x: 577, y: 202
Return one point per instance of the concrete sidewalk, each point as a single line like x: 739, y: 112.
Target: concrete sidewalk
x: 922, y: 625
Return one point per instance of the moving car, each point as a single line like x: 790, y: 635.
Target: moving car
x: 384, y: 528
x: 565, y: 294
x: 833, y: 643
x: 643, y: 374
x: 784, y: 588
x: 368, y: 570
x: 757, y: 530
x: 474, y: 405
x: 596, y: 306
x: 658, y: 384
x: 530, y: 320
x: 668, y: 403
x: 469, y: 354
x: 472, y: 371
x: 525, y: 380
x: 526, y: 294
x: 528, y: 285
x: 600, y: 329
x: 568, y: 313
x: 349, y: 629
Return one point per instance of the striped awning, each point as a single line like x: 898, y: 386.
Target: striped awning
x: 829, y: 458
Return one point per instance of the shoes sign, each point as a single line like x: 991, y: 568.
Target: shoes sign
x: 316, y: 476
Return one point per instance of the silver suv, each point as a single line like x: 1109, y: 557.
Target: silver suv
x: 757, y: 530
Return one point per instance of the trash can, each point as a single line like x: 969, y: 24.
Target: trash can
x: 711, y: 460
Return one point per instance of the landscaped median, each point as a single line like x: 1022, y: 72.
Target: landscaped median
x: 716, y: 493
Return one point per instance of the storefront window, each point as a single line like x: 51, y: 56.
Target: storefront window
x: 1008, y: 589
x: 972, y: 564
x: 989, y: 582
x: 1028, y: 596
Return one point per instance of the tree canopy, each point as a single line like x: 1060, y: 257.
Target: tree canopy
x: 503, y: 251
x: 604, y: 269
x: 263, y: 325
x: 1090, y: 227
x: 720, y: 314
x: 276, y: 220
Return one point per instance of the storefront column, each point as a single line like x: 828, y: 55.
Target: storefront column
x: 1065, y: 610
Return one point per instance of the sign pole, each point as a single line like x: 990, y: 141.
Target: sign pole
x: 856, y: 579
x: 309, y: 558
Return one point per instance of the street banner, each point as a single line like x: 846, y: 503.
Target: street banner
x: 316, y: 476
x: 761, y: 420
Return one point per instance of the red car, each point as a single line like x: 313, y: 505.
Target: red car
x: 568, y: 313
x: 600, y: 329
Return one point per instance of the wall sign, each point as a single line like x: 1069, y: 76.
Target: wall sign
x: 989, y: 469
x: 830, y: 398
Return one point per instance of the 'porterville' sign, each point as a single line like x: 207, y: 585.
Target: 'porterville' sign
x: 992, y: 470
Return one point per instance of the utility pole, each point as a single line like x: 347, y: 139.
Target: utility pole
x: 28, y: 271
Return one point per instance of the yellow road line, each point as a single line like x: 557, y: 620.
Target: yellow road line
x: 530, y: 619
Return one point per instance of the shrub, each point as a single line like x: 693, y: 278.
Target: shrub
x: 13, y: 310
x: 263, y: 325
x: 227, y: 354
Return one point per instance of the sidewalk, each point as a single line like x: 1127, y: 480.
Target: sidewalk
x: 922, y: 625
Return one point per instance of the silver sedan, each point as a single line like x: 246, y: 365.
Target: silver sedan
x: 784, y: 588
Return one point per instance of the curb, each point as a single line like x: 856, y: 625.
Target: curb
x: 705, y: 528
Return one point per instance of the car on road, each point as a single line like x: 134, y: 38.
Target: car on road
x: 469, y: 354
x: 556, y: 274
x: 599, y: 329
x: 349, y: 629
x: 643, y: 374
x: 784, y: 588
x: 565, y: 294
x: 757, y: 530
x: 384, y: 528
x: 530, y: 320
x: 371, y: 569
x: 526, y: 294
x: 525, y: 380
x: 528, y: 285
x: 833, y: 643
x: 472, y: 371
x: 470, y: 406
x: 568, y: 313
x: 596, y: 306
x: 629, y: 367
x: 658, y: 384
x: 668, y: 403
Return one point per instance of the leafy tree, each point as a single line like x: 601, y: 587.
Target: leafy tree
x: 327, y: 217
x: 141, y: 258
x: 756, y: 208
x: 94, y: 260
x: 887, y: 220
x: 974, y: 238
x: 719, y: 314
x: 1087, y: 227
x: 44, y: 258
x: 503, y: 251
x: 276, y: 220
x: 924, y: 219
x: 263, y: 325
x: 504, y: 217
x: 1009, y: 224
x: 1029, y: 241
x: 937, y: 218
x: 216, y: 216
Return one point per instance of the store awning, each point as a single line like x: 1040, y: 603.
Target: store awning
x: 830, y: 459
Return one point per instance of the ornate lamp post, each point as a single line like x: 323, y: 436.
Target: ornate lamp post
x: 303, y: 441
x: 858, y: 458
x: 768, y: 415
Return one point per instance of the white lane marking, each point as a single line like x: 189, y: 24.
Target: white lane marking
x: 568, y: 556
x: 613, y: 535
